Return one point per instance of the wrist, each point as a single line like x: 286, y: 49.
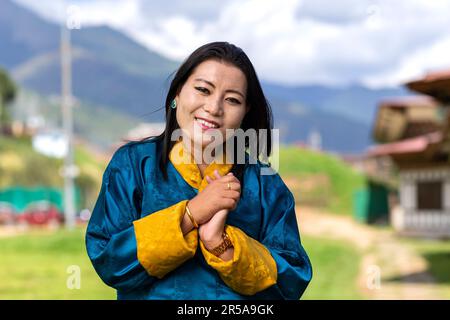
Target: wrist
x: 212, y: 241
x: 194, y: 211
x: 186, y: 224
x: 190, y: 216
x: 219, y: 248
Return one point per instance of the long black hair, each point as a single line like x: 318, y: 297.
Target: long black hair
x: 258, y: 117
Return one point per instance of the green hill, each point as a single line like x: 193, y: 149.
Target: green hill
x: 319, y: 179
x: 20, y: 165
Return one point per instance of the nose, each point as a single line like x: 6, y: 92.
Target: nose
x: 214, y: 107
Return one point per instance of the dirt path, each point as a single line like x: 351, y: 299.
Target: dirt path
x: 11, y: 230
x: 17, y: 230
x: 388, y: 270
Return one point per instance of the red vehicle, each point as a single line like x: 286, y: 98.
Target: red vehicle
x: 40, y: 213
x: 7, y: 213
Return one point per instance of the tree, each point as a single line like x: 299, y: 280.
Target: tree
x: 7, y: 94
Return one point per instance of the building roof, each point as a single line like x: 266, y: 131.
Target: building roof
x: 409, y: 101
x: 436, y: 84
x: 408, y: 146
x: 413, y: 145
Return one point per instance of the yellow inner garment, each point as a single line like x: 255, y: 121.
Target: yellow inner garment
x: 184, y: 162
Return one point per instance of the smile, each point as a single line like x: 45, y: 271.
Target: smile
x: 206, y: 124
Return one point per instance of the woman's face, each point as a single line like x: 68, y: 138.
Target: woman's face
x: 211, y: 100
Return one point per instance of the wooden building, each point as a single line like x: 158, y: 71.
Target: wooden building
x: 415, y: 135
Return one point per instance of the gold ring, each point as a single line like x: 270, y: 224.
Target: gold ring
x: 229, y: 186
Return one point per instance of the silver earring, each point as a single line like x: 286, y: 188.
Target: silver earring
x: 173, y: 104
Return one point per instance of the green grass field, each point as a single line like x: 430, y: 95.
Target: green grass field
x: 335, y: 269
x: 34, y: 266
x: 437, y: 255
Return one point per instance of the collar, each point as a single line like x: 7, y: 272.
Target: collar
x: 184, y: 163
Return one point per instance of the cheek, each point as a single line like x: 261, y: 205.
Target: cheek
x: 234, y: 119
x: 185, y: 111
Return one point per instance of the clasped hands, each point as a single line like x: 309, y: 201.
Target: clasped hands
x: 210, y: 207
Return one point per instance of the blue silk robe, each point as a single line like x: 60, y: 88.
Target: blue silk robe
x: 133, y: 189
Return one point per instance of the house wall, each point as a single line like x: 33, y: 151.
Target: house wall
x: 407, y: 218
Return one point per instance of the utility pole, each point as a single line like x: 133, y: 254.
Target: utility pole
x: 69, y: 170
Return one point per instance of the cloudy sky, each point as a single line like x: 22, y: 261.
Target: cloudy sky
x: 377, y: 43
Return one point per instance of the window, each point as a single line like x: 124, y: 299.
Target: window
x: 429, y: 195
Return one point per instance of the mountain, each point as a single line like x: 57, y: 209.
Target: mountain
x: 23, y: 35
x: 113, y: 71
x: 108, y: 67
x: 342, y: 116
x: 353, y: 102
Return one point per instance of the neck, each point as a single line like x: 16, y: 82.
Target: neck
x: 197, y: 153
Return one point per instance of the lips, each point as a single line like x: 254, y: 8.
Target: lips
x: 207, y: 124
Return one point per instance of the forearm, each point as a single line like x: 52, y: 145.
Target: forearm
x: 115, y: 259
x: 161, y: 246
x: 186, y: 224
x: 188, y: 221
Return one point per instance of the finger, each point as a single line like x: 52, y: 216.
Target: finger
x: 232, y: 194
x: 217, y: 174
x: 230, y: 203
x: 230, y: 178
x: 236, y: 186
x: 208, y: 179
x: 226, y: 203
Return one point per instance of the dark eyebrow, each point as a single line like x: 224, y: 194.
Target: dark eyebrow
x: 212, y: 85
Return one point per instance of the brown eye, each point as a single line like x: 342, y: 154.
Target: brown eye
x: 203, y: 90
x: 234, y: 101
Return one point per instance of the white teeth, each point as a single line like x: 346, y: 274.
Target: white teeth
x: 208, y: 124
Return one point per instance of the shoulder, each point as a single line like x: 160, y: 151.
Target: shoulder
x: 128, y: 162
x: 133, y: 152
x: 264, y: 171
x: 269, y: 179
x: 272, y: 185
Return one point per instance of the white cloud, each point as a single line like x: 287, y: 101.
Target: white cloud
x: 415, y: 65
x: 375, y: 42
x: 48, y: 9
x: 174, y: 37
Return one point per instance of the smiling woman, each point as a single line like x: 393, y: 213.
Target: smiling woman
x: 168, y: 225
x: 212, y: 98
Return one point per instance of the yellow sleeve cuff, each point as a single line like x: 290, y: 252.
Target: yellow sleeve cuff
x: 161, y: 246
x: 252, y: 268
